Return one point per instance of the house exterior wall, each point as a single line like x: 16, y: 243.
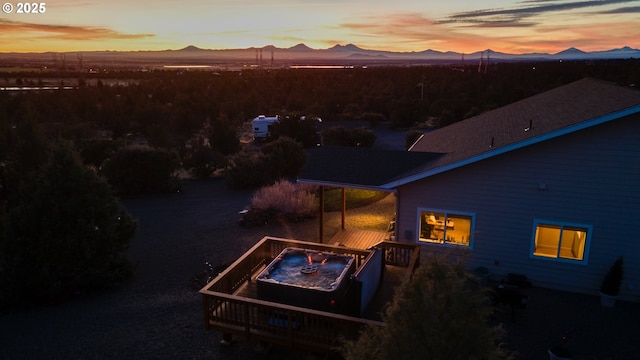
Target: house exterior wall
x: 591, y: 177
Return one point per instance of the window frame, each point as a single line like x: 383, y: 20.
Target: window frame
x: 562, y: 225
x: 447, y: 213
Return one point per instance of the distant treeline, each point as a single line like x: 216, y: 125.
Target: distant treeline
x: 167, y: 107
x: 199, y: 114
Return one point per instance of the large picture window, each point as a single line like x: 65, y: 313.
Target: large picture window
x: 445, y: 227
x: 559, y: 240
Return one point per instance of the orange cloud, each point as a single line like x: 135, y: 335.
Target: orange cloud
x: 19, y: 33
x: 510, y: 30
x: 410, y: 32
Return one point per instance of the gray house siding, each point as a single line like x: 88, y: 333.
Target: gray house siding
x: 589, y: 177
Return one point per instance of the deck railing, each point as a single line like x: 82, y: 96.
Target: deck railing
x: 402, y: 254
x: 283, y: 324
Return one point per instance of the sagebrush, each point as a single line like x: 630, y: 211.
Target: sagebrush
x: 287, y: 199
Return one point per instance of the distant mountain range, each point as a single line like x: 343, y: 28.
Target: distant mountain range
x: 304, y: 54
x: 350, y: 51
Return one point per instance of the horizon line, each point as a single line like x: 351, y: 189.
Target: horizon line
x: 195, y: 47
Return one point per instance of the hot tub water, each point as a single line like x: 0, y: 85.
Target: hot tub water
x: 306, y: 278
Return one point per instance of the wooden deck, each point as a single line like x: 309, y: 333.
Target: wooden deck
x: 393, y: 278
x: 358, y: 239
x: 231, y: 307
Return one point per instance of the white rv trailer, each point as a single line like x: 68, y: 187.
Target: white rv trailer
x: 261, y: 126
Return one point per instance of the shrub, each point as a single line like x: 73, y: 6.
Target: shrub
x: 224, y: 138
x: 286, y: 157
x: 279, y: 159
x: 140, y: 171
x: 363, y: 137
x: 247, y: 170
x: 68, y: 234
x: 441, y: 313
x: 202, y: 161
x: 301, y: 128
x: 94, y: 151
x: 285, y: 198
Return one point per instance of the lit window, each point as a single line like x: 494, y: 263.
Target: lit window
x: 443, y: 227
x: 560, y: 240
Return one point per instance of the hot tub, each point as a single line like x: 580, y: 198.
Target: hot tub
x: 307, y: 278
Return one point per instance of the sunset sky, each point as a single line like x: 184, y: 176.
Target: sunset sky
x: 398, y: 25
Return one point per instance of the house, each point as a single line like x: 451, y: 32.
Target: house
x: 546, y: 187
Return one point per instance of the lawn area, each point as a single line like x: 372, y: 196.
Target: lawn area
x: 355, y: 198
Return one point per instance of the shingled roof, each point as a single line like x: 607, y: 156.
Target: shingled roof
x: 569, y: 108
x: 362, y: 167
x: 578, y: 105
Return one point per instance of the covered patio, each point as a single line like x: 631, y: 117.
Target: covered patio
x: 352, y: 169
x: 231, y: 302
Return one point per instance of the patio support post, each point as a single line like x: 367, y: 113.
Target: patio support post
x: 321, y: 214
x: 344, y: 205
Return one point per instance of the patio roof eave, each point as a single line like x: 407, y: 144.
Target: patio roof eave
x: 338, y: 184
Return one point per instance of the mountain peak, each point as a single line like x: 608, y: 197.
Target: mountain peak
x: 300, y: 47
x: 348, y: 47
x: 571, y: 50
x: 191, y: 48
x: 624, y: 48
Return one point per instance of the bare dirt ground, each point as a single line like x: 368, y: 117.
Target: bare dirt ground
x: 593, y: 332
x: 157, y: 314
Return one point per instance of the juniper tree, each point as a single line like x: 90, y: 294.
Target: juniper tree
x: 67, y: 234
x: 442, y: 313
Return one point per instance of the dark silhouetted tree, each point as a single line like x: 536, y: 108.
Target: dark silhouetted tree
x: 95, y: 151
x: 223, y: 136
x: 441, y: 313
x: 248, y: 170
x: 68, y: 234
x: 301, y: 129
x: 281, y: 158
x: 285, y: 156
x: 202, y: 160
x: 137, y: 171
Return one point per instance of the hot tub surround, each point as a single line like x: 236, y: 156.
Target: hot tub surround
x: 307, y: 278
